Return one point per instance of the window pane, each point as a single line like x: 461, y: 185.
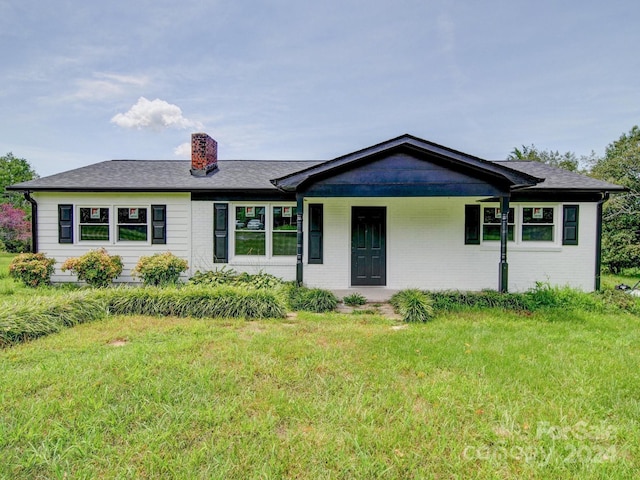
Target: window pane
x: 250, y: 218
x: 492, y: 215
x: 492, y: 232
x: 285, y: 243
x: 132, y: 215
x: 94, y: 215
x: 285, y: 218
x: 94, y: 232
x: 537, y: 215
x: 537, y: 233
x: 250, y: 243
x: 132, y: 233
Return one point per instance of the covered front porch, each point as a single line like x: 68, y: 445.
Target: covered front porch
x: 397, y: 215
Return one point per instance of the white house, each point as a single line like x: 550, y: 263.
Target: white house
x: 401, y: 214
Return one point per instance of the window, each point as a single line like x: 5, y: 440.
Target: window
x: 128, y: 224
x: 94, y: 224
x: 250, y: 234
x: 268, y: 230
x: 537, y: 224
x: 132, y: 224
x: 284, y: 234
x: 525, y: 224
x: 491, y: 218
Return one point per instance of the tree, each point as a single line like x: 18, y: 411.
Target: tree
x: 567, y: 161
x: 15, y: 229
x: 621, y: 215
x: 14, y: 170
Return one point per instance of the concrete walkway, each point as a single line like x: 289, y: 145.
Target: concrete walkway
x: 372, y: 294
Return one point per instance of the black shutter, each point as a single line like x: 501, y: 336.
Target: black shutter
x: 220, y: 233
x: 472, y: 224
x: 570, y: 225
x: 158, y: 224
x: 65, y: 223
x: 315, y: 233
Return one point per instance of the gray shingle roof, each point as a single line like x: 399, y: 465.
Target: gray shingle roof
x: 167, y: 175
x: 559, y: 179
x: 250, y: 175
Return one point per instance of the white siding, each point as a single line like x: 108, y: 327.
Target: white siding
x: 425, y: 248
x: 178, y: 228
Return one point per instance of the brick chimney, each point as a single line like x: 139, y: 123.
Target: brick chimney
x: 204, y: 154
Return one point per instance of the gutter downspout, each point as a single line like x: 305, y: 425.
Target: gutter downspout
x: 34, y: 221
x: 605, y: 197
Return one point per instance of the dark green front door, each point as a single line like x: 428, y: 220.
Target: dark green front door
x: 368, y: 250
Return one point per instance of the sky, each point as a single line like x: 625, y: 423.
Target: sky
x: 83, y: 82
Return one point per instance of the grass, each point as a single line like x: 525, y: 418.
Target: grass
x: 476, y: 393
x: 470, y: 395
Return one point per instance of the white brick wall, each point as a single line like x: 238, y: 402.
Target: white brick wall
x: 425, y: 248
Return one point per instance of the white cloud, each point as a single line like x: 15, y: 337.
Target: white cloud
x: 104, y: 86
x: 183, y: 151
x: 155, y: 115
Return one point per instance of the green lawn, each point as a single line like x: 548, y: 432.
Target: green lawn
x: 478, y: 394
x: 472, y: 395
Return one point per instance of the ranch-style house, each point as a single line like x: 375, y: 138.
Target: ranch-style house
x: 405, y: 213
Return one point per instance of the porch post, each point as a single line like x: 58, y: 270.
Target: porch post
x: 503, y: 279
x: 300, y: 238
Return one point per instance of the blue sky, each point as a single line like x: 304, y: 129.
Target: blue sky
x: 83, y: 81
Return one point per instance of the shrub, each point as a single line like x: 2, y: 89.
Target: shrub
x: 160, y: 269
x: 452, y: 300
x: 544, y: 295
x: 95, y: 267
x: 32, y: 269
x: 15, y: 229
x: 354, y: 300
x: 213, y: 278
x: 311, y: 299
x: 413, y: 305
x: 228, y: 276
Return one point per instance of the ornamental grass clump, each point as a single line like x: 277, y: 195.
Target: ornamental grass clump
x: 196, y: 301
x: 95, y: 267
x: 354, y: 300
x: 311, y: 299
x: 32, y: 269
x: 414, y: 305
x: 22, y: 321
x: 160, y: 269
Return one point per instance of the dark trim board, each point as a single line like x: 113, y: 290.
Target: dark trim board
x: 242, y: 196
